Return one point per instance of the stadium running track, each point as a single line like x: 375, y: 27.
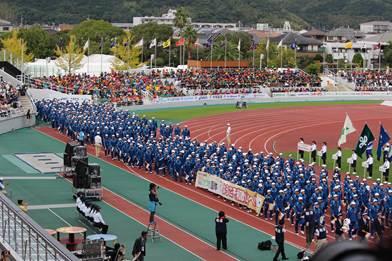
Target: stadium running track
x: 268, y: 130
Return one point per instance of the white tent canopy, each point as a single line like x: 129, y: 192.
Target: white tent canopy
x: 93, y: 65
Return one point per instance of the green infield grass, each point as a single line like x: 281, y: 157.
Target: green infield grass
x: 180, y: 114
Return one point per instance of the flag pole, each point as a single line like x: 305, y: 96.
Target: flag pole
x: 239, y: 54
x: 155, y: 57
x: 212, y: 43
x: 169, y: 52
x: 197, y: 53
x: 101, y: 52
x: 225, y: 51
x: 253, y: 58
x: 281, y: 57
x: 183, y: 53
x: 88, y: 56
x: 142, y: 50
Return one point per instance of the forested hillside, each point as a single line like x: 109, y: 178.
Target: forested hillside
x: 320, y: 13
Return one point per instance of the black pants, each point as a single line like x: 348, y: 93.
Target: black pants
x: 301, y: 154
x: 280, y: 251
x: 104, y: 228
x: 370, y: 170
x: 339, y: 162
x: 314, y: 156
x: 354, y: 165
x: 221, y: 238
x: 324, y: 158
x: 386, y: 174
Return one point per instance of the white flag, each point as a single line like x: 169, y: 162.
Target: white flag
x: 197, y: 43
x: 86, y: 45
x: 239, y: 45
x: 152, y: 57
x: 140, y: 43
x: 267, y: 44
x: 280, y: 43
x: 153, y: 43
x: 348, y: 128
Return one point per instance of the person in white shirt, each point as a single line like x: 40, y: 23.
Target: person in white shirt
x: 324, y: 150
x: 386, y: 166
x: 354, y: 157
x: 387, y: 148
x: 314, y: 151
x: 370, y: 161
x: 228, y: 133
x: 98, y: 144
x: 99, y: 222
x: 339, y: 158
x: 301, y: 152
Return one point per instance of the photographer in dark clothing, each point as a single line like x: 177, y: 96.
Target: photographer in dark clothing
x: 153, y: 201
x: 221, y: 230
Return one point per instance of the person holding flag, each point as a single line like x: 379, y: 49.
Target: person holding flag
x: 383, y: 140
x: 347, y: 129
x: 354, y: 158
x: 365, y: 141
x: 387, y: 149
x: 228, y: 132
x: 386, y: 167
x: 370, y: 162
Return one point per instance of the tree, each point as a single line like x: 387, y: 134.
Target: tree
x: 16, y: 47
x: 38, y: 41
x: 70, y: 57
x: 313, y: 68
x: 97, y: 31
x: 329, y: 58
x: 358, y: 60
x: 388, y: 54
x: 127, y: 53
x: 190, y: 36
x: 182, y: 18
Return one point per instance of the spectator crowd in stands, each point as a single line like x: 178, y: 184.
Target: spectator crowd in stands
x: 246, y: 80
x: 291, y: 189
x: 8, y: 98
x: 129, y: 88
x: 369, y: 80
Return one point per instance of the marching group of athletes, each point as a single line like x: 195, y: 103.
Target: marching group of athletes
x: 293, y: 191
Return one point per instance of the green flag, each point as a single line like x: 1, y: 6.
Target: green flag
x: 366, y: 139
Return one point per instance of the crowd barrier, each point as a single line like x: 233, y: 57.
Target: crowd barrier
x: 212, y: 97
x: 26, y: 239
x: 330, y: 94
x: 230, y: 191
x: 41, y: 94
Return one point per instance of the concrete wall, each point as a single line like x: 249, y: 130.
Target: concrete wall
x: 16, y: 122
x: 338, y: 96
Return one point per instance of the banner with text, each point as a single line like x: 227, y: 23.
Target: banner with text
x: 230, y: 191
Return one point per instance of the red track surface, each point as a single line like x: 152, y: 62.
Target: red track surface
x: 278, y: 130
x: 269, y: 130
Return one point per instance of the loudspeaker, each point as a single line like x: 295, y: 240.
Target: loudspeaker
x: 75, y: 160
x: 94, y: 169
x: 69, y: 148
x: 67, y: 160
x: 80, y: 151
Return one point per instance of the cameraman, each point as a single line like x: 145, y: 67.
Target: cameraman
x: 153, y: 201
x: 221, y: 230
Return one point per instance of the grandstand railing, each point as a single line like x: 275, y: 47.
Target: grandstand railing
x: 27, y: 239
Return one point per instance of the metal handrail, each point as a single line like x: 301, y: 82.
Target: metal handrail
x: 53, y: 249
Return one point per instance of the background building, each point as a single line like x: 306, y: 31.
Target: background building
x: 376, y: 27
